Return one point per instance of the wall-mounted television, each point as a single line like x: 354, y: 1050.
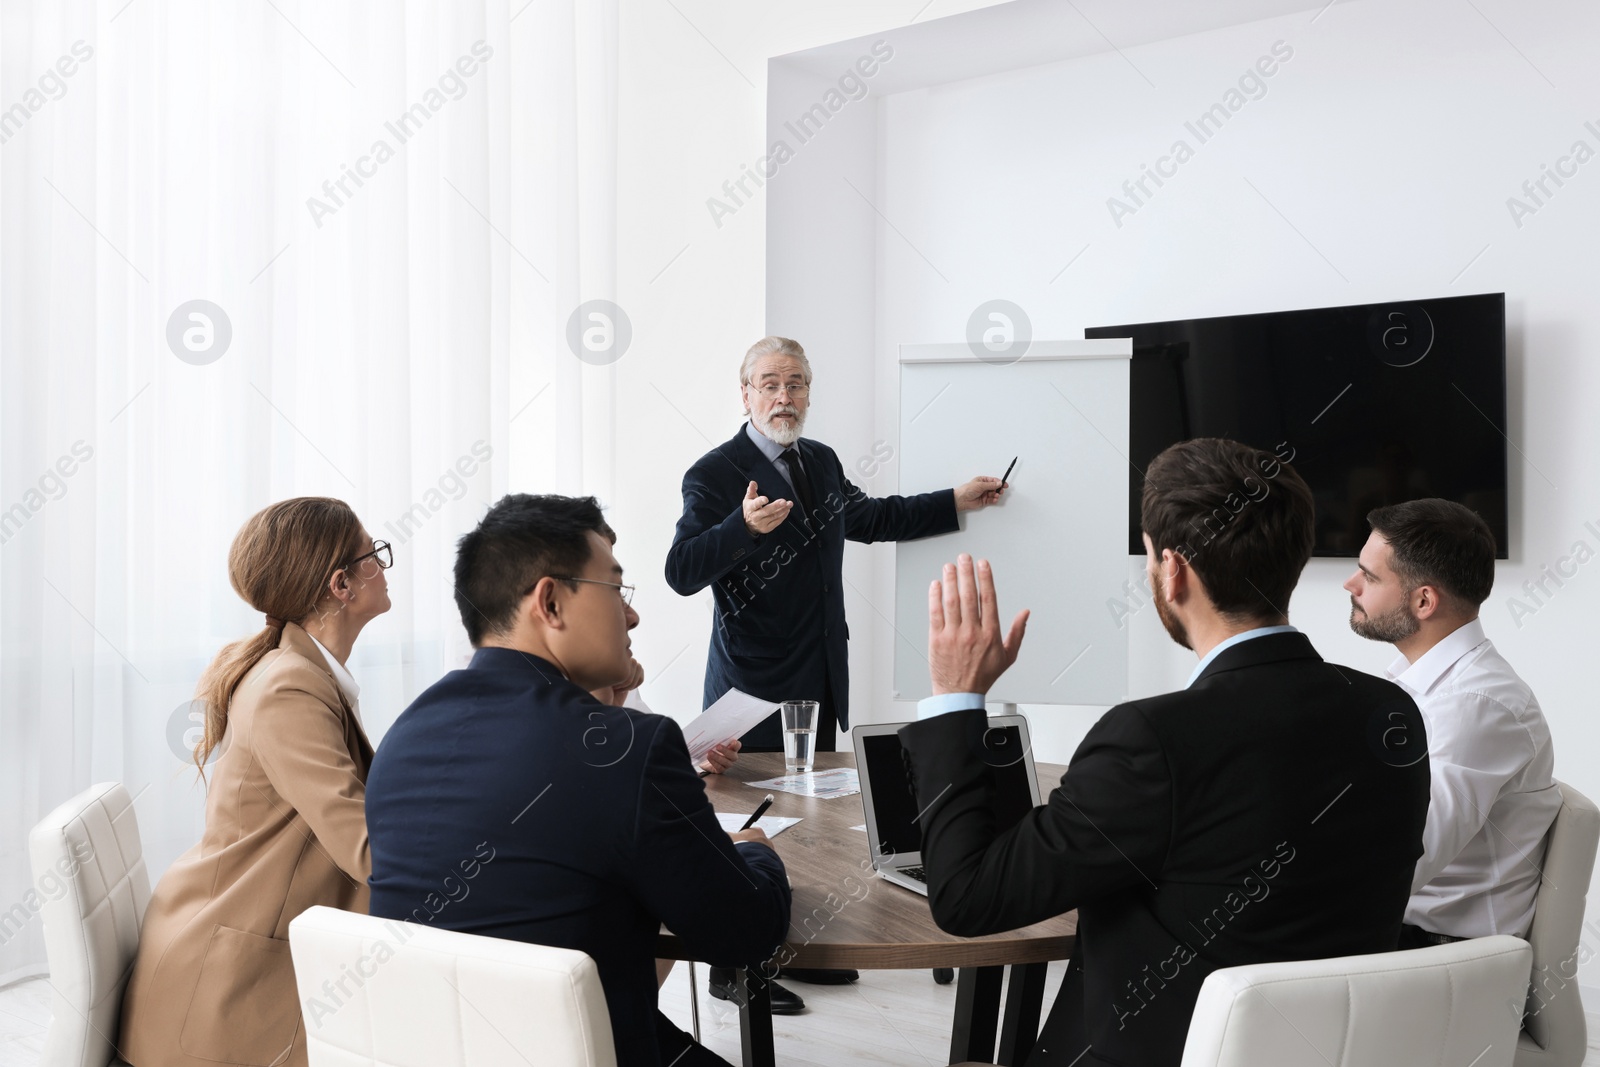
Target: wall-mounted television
x: 1372, y: 403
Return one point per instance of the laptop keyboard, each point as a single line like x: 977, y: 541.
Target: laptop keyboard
x: 914, y: 872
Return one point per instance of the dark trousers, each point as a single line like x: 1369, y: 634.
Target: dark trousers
x: 680, y: 1050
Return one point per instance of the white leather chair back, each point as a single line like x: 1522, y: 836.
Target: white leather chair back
x: 1391, y: 1009
x: 88, y: 869
x: 384, y: 993
x: 1555, y: 1031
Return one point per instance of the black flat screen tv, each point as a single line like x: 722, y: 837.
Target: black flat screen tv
x: 1373, y: 404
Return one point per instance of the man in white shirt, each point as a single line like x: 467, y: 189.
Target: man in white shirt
x: 1421, y: 577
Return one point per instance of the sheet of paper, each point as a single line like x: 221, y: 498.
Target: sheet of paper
x: 823, y: 785
x: 730, y: 718
x: 771, y: 825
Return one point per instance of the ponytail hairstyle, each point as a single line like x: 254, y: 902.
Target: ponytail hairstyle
x: 280, y: 564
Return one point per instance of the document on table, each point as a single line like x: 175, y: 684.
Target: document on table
x: 824, y: 785
x: 730, y: 718
x: 771, y: 825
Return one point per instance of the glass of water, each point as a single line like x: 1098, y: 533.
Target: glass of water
x: 799, y: 735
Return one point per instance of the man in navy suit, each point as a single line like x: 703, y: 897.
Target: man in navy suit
x: 780, y: 630
x: 775, y: 573
x: 509, y: 800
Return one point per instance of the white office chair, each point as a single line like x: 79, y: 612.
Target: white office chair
x: 1555, y: 1033
x: 386, y: 993
x: 88, y: 869
x: 1446, y: 1004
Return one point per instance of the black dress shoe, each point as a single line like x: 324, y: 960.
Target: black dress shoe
x: 819, y: 975
x: 724, y: 985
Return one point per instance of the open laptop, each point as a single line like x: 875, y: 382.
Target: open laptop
x: 894, y: 834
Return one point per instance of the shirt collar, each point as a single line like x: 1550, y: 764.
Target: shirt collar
x: 1236, y: 639
x: 1421, y: 676
x: 769, y: 448
x: 347, y: 681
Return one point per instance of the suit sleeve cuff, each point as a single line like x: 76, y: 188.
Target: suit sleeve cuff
x: 928, y: 707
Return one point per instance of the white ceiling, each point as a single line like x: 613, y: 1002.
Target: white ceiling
x: 1027, y: 33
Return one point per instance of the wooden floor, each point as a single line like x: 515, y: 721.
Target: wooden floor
x: 889, y: 1017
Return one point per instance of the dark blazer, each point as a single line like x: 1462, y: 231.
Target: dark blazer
x: 506, y: 801
x: 780, y: 632
x: 1271, y: 811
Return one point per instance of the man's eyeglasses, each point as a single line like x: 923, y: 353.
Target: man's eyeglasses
x: 382, y: 555
x: 772, y: 389
x: 625, y: 591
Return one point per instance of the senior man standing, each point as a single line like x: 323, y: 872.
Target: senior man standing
x: 765, y: 518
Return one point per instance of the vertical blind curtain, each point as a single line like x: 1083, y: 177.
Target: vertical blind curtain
x: 393, y: 208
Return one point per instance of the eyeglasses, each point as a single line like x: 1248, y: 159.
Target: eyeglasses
x: 382, y: 554
x: 772, y: 389
x: 625, y: 591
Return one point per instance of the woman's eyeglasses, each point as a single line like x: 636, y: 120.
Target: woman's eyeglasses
x: 382, y: 555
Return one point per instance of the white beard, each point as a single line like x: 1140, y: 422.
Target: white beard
x: 785, y: 434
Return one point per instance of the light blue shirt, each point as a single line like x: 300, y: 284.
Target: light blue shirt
x: 772, y: 450
x: 940, y: 703
x: 1236, y: 639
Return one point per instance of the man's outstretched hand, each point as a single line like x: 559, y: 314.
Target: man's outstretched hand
x: 762, y: 516
x: 965, y: 651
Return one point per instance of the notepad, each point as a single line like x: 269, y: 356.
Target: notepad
x: 771, y: 825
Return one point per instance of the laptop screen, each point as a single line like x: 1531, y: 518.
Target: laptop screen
x: 895, y: 808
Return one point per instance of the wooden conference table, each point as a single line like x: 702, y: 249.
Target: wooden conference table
x: 845, y: 916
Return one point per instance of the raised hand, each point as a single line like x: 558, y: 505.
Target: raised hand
x: 965, y: 651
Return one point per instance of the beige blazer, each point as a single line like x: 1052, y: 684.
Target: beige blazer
x: 286, y: 828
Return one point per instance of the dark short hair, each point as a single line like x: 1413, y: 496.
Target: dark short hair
x: 522, y: 539
x: 1439, y: 543
x: 1241, y: 517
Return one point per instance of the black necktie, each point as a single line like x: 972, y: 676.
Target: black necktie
x: 797, y: 476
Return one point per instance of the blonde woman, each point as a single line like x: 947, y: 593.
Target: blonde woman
x: 285, y: 809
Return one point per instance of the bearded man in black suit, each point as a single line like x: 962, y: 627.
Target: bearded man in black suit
x: 1270, y: 810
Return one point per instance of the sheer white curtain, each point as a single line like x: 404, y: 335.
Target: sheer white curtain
x: 396, y: 207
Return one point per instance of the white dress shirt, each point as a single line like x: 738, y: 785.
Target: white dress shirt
x: 347, y: 681
x: 1492, y: 796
